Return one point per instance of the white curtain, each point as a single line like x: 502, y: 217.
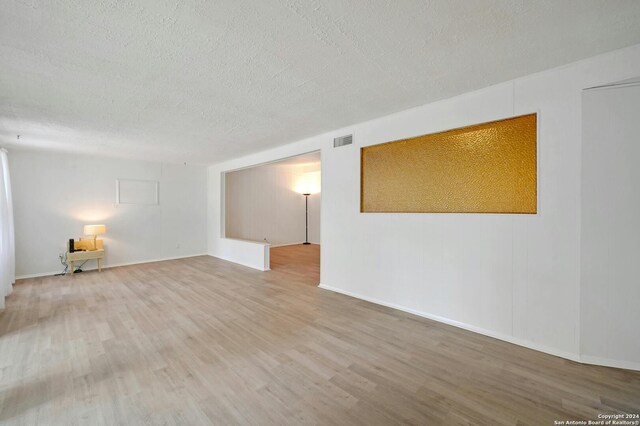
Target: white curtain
x: 7, y: 236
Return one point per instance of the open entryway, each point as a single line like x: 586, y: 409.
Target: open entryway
x: 278, y: 203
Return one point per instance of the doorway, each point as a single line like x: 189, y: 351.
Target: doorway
x: 279, y: 203
x: 610, y: 235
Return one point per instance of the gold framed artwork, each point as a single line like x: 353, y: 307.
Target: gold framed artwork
x: 484, y: 168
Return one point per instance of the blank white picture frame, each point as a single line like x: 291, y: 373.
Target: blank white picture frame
x: 137, y: 191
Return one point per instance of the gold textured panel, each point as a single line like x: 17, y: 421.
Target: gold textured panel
x: 484, y: 168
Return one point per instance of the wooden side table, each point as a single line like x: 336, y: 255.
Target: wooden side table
x: 76, y: 256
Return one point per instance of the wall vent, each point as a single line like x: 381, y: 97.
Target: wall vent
x: 342, y: 141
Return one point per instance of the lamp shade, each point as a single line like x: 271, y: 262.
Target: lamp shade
x: 94, y: 229
x: 309, y: 183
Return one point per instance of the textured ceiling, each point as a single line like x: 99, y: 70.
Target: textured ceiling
x: 204, y: 81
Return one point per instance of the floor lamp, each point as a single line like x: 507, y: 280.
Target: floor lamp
x: 308, y: 184
x: 306, y: 218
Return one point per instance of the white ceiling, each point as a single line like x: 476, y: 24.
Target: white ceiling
x: 204, y: 81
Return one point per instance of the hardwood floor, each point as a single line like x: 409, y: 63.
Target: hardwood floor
x: 204, y: 341
x: 299, y: 261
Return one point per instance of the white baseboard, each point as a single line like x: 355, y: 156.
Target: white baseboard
x: 469, y: 327
x: 606, y: 362
x: 583, y: 359
x: 292, y: 244
x: 113, y: 265
x: 239, y: 263
x: 40, y: 274
x: 284, y: 245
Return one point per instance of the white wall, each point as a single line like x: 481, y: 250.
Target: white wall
x: 55, y: 194
x: 610, y: 293
x: 261, y: 202
x: 253, y: 254
x: 516, y: 277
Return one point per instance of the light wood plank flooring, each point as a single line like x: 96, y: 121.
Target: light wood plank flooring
x: 299, y: 261
x: 204, y: 341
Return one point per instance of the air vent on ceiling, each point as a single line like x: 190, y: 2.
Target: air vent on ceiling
x: 342, y: 141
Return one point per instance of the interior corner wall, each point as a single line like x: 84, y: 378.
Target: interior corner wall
x: 514, y: 277
x: 55, y: 194
x: 261, y: 203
